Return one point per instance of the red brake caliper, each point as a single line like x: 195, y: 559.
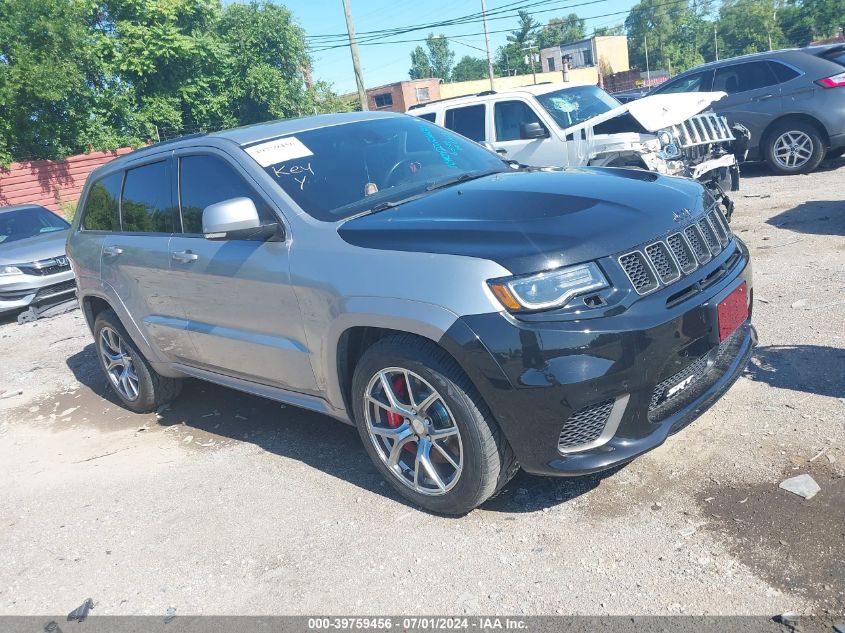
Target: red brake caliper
x: 394, y: 420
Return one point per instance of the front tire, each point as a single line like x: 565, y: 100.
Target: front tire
x: 140, y: 388
x: 426, y: 428
x: 793, y: 147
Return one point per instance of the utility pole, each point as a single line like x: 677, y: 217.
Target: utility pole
x: 647, y: 71
x: 716, y: 41
x: 529, y: 49
x: 487, y: 39
x: 356, y: 63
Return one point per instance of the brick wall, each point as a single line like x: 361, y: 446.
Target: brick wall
x: 47, y: 182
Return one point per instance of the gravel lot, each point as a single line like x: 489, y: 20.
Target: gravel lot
x: 230, y: 504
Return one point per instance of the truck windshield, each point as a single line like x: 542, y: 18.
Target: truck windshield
x: 338, y: 171
x: 571, y: 106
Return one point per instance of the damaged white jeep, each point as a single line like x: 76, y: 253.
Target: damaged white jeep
x: 564, y: 125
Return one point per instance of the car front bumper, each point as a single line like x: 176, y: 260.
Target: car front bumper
x: 21, y: 291
x: 540, y: 378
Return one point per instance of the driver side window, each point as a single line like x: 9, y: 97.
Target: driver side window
x: 510, y: 116
x: 205, y: 179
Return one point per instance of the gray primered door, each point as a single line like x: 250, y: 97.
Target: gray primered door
x: 135, y: 260
x: 242, y: 313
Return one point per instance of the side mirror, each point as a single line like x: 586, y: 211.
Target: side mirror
x: 532, y: 131
x: 235, y: 219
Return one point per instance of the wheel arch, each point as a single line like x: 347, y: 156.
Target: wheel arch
x: 792, y: 116
x: 433, y: 324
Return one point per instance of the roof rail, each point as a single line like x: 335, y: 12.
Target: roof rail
x: 428, y: 103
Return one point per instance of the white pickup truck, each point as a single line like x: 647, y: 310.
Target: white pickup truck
x: 564, y: 124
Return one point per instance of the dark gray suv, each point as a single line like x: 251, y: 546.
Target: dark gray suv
x: 792, y: 101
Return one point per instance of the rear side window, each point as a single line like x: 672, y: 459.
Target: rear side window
x: 744, y: 77
x: 101, y: 207
x: 146, y: 206
x: 429, y: 116
x: 467, y: 121
x: 783, y: 72
x: 509, y: 117
x: 205, y: 179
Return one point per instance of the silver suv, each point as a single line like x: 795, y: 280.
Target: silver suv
x: 468, y: 316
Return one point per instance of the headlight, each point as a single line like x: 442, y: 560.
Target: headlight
x: 664, y: 137
x: 10, y: 270
x: 549, y: 289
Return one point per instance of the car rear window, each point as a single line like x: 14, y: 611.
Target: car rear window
x: 837, y: 55
x: 101, y: 206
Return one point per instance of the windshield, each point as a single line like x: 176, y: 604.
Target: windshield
x: 338, y: 171
x: 572, y: 106
x: 28, y: 222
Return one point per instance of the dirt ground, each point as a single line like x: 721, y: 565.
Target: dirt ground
x: 229, y: 504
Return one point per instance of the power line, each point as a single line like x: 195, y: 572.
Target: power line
x: 592, y: 17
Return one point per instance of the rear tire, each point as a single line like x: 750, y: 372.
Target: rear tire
x: 417, y: 437
x: 140, y: 388
x: 793, y: 147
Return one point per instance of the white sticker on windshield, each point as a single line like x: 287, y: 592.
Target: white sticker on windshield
x: 278, y: 151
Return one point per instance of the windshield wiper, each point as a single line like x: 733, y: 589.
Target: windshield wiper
x: 458, y: 179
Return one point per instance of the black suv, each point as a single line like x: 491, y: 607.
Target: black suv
x: 792, y: 101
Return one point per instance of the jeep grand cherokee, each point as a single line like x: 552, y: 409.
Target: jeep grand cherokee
x: 469, y: 317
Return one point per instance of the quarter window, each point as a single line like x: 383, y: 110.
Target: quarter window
x: 101, y: 208
x: 744, y: 77
x: 510, y: 116
x: 428, y: 116
x: 468, y: 121
x: 205, y: 179
x: 146, y: 206
x: 783, y: 72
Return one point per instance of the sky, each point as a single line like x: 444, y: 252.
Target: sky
x: 387, y: 63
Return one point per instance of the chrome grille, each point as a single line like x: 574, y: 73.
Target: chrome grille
x: 702, y: 129
x: 585, y: 425
x: 664, y: 262
x: 639, y: 272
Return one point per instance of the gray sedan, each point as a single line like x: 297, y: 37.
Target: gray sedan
x: 34, y: 269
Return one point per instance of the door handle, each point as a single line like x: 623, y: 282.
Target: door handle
x: 184, y: 257
x: 112, y: 251
x: 764, y: 97
x: 501, y: 150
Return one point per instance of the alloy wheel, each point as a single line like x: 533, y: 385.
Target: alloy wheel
x: 413, y: 431
x: 118, y: 363
x: 793, y: 149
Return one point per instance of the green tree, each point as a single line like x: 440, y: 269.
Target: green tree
x: 617, y: 29
x: 749, y: 26
x: 561, y: 31
x: 440, y: 56
x: 436, y: 62
x: 470, y: 68
x: 527, y: 29
x: 675, y: 34
x: 420, y: 66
